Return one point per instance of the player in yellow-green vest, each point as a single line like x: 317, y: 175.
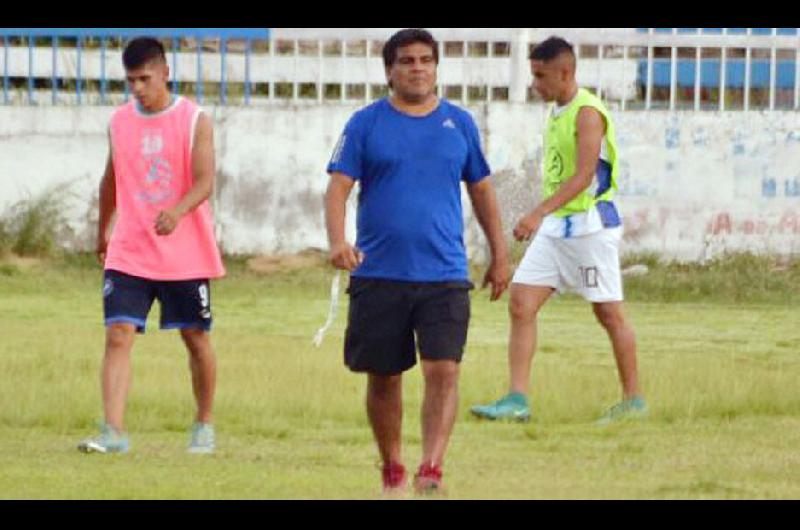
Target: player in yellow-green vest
x: 575, y: 232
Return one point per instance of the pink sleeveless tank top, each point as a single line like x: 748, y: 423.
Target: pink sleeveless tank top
x: 152, y: 157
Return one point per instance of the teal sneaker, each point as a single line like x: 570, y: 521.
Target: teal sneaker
x: 628, y: 409
x: 202, y: 442
x: 109, y: 440
x: 512, y: 406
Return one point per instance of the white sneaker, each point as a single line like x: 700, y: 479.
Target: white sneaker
x: 108, y: 441
x: 202, y: 442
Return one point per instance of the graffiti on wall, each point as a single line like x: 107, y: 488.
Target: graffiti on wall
x: 726, y: 223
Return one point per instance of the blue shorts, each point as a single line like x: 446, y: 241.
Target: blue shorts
x: 184, y: 303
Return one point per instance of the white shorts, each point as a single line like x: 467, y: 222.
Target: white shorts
x: 587, y: 265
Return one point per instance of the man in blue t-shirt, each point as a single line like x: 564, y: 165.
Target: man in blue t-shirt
x: 409, y: 153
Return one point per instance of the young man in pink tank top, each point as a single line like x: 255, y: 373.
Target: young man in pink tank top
x: 158, y: 178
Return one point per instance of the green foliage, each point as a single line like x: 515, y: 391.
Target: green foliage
x: 730, y: 278
x: 7, y: 269
x: 6, y: 240
x: 651, y: 259
x: 32, y: 227
x: 80, y: 260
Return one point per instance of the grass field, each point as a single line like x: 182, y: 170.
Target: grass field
x: 719, y: 357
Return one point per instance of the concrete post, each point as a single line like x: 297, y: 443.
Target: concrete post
x: 520, y: 71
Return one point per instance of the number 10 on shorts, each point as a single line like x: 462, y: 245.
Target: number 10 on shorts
x: 589, y: 276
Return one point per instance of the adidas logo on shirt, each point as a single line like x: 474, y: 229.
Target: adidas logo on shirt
x: 449, y: 124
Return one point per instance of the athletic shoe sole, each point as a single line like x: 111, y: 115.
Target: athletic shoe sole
x: 97, y: 448
x: 517, y: 418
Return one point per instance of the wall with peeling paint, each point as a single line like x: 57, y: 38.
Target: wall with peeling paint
x: 692, y: 184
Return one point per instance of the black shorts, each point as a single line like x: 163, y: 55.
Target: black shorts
x: 184, y: 303
x: 385, y: 315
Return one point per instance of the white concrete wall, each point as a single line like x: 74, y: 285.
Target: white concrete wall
x: 692, y: 184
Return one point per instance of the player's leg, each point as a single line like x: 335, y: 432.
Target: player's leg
x: 380, y: 342
x: 439, y: 408
x: 385, y: 414
x: 537, y: 277
x: 126, y: 303
x: 186, y: 306
x: 623, y: 341
x: 523, y: 309
x: 203, y: 367
x: 599, y: 280
x: 116, y: 372
x: 115, y: 376
x: 611, y: 316
x: 441, y: 320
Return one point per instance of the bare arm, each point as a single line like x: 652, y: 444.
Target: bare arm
x: 342, y: 254
x: 108, y: 205
x: 203, y: 171
x: 591, y: 129
x: 484, y: 202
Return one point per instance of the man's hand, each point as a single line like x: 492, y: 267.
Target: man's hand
x: 528, y: 226
x: 345, y: 256
x: 101, y: 248
x: 498, y: 275
x: 166, y: 222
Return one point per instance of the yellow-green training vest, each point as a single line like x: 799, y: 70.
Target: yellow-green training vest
x: 561, y: 153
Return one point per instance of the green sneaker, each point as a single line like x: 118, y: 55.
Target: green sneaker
x: 512, y: 406
x: 202, y: 442
x: 109, y: 440
x: 627, y: 409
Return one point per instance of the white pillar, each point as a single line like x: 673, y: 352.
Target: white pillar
x: 520, y: 71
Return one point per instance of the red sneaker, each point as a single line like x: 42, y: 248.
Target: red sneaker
x: 428, y: 479
x: 394, y: 477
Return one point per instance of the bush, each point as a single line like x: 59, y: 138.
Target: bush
x: 32, y: 226
x: 734, y: 277
x: 5, y: 238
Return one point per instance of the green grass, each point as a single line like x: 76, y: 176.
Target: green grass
x: 733, y: 278
x: 720, y: 373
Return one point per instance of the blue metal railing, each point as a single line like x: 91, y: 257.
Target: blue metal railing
x: 719, y: 31
x: 104, y: 34
x: 710, y: 73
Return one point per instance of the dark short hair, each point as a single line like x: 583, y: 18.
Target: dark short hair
x: 551, y: 48
x: 405, y: 37
x: 141, y: 51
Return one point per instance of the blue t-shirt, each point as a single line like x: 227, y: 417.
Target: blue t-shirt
x: 410, y: 169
